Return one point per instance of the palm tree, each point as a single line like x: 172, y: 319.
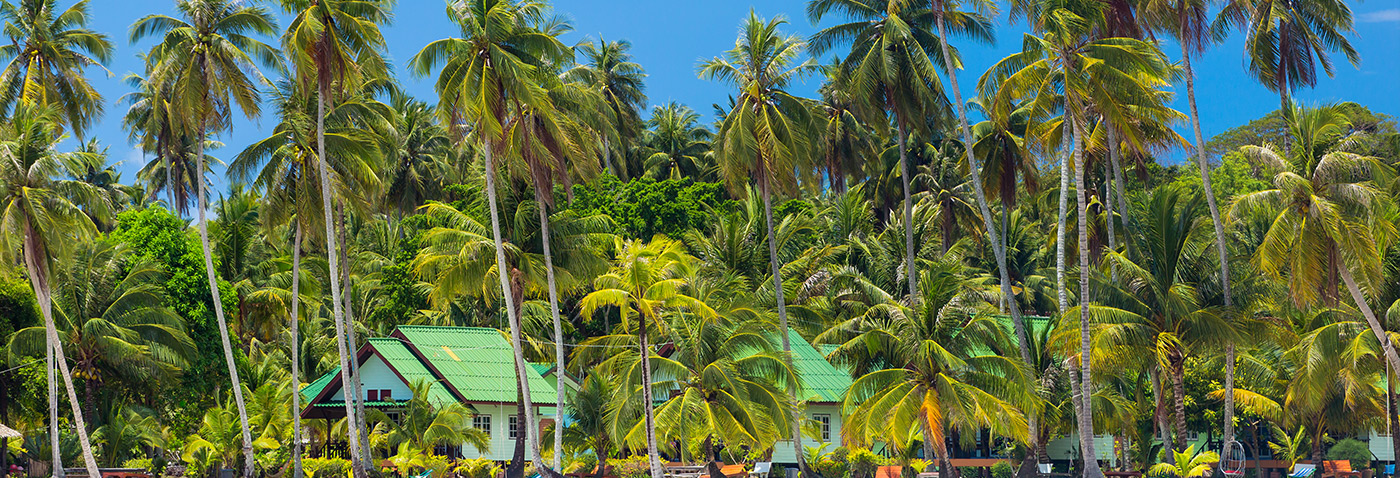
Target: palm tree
x: 681, y: 144
x: 646, y: 284
x: 151, y: 123
x: 1322, y: 200
x: 727, y: 385
x: 927, y: 369
x: 589, y: 407
x: 609, y: 69
x: 766, y: 134
x: 48, y: 52
x: 845, y: 138
x: 208, y: 58
x: 892, y: 67
x: 337, y: 42
x: 417, y: 156
x: 479, y: 95
x: 1113, y: 75
x: 112, y: 321
x: 423, y: 424
x: 1187, y: 464
x: 40, y: 219
x: 1286, y: 40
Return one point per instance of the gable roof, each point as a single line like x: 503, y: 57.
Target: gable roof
x: 399, y: 360
x: 476, y: 363
x: 821, y: 381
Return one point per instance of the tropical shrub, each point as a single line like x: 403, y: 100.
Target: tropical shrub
x: 634, y: 466
x: 476, y: 468
x: 325, y: 467
x: 863, y: 463
x: 1002, y: 470
x: 1351, y: 450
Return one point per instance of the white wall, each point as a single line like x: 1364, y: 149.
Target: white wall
x: 785, y: 452
x: 376, y: 375
x: 502, y: 447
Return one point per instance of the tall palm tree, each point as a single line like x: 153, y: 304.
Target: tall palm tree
x: 289, y: 159
x: 337, y: 42
x: 479, y: 95
x: 645, y: 285
x: 48, y: 52
x: 1111, y: 74
x: 893, y: 64
x: 1286, y: 40
x: 765, y: 135
x: 609, y: 68
x: 1323, y: 201
x: 39, y: 218
x: 210, y: 61
x: 417, y: 147
x: 845, y: 138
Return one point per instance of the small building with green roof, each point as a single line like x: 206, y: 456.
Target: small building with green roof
x: 473, y: 366
x: 823, y: 390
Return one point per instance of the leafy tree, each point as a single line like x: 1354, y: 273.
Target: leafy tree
x: 48, y: 52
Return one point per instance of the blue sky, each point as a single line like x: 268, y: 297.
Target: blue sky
x: 670, y: 37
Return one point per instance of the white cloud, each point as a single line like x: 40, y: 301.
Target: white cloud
x: 1380, y: 16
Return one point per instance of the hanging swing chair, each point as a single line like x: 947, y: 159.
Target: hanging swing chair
x: 1232, y: 460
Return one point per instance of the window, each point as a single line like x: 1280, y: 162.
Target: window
x: 824, y: 423
x: 483, y: 423
x: 513, y: 432
x: 393, y: 416
x: 386, y: 395
x: 373, y: 395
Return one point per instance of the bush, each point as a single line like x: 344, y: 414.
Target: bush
x: 635, y: 466
x: 325, y: 467
x: 140, y: 464
x: 863, y: 463
x: 1002, y: 470
x: 1351, y: 450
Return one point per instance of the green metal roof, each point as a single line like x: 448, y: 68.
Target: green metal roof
x: 311, y: 390
x: 477, y: 362
x: 821, y: 381
x: 402, y: 360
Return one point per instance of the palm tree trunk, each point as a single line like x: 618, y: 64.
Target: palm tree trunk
x: 998, y: 247
x: 1386, y: 344
x: 294, y: 323
x: 352, y: 433
x: 1201, y: 163
x: 797, y: 417
x: 1392, y: 425
x: 57, y: 460
x: 348, y: 294
x: 1067, y: 148
x: 653, y: 456
x: 1179, y: 399
x: 558, y: 335
x: 35, y: 259
x: 248, y: 463
x: 1107, y: 199
x: 911, y: 276
x: 607, y: 158
x: 1086, y: 419
x: 511, y: 315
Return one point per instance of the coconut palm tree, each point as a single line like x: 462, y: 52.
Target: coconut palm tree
x: 845, y: 138
x: 425, y: 425
x: 927, y: 369
x: 608, y: 67
x: 1286, y: 40
x: 417, y: 155
x: 1111, y: 74
x: 589, y: 428
x: 210, y: 61
x: 645, y: 285
x: 766, y: 134
x: 1188, y: 464
x: 48, y: 52
x: 151, y: 123
x: 41, y: 216
x: 337, y: 42
x: 479, y: 95
x: 681, y: 144
x: 1323, y: 200
x: 111, y: 320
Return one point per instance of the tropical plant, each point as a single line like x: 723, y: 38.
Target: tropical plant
x: 1187, y: 464
x: 48, y: 52
x: 609, y: 69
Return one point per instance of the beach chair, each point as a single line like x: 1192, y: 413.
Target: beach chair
x: 731, y: 471
x: 1389, y: 470
x: 424, y: 474
x: 1302, y: 470
x: 761, y: 469
x: 1339, y: 469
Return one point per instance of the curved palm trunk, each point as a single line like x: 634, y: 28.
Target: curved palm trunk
x: 998, y: 247
x: 1221, y: 251
x: 524, y: 382
x: 1386, y: 344
x: 1086, y: 419
x: 558, y: 337
x: 296, y: 352
x: 248, y: 463
x: 351, y: 423
x: 909, y: 257
x: 34, y: 255
x: 653, y: 456
x: 57, y: 460
x: 1063, y: 295
x: 782, y: 307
